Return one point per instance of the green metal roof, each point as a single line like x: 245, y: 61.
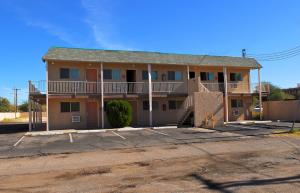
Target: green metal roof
x: 142, y: 57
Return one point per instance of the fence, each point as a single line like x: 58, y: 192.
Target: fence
x: 282, y: 110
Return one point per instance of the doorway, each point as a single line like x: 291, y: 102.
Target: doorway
x: 191, y: 75
x: 221, y: 81
x: 92, y: 114
x: 131, y: 79
x: 91, y: 78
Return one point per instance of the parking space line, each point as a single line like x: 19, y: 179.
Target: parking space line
x: 158, y: 132
x: 71, y: 138
x: 118, y: 135
x: 19, y: 141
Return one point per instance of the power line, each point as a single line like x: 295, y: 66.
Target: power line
x: 277, y: 55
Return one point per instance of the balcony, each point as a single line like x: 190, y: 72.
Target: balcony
x: 235, y: 87
x: 84, y: 87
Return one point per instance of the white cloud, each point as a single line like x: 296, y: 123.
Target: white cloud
x: 99, y: 16
x: 53, y: 30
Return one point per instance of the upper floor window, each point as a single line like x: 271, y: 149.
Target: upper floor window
x: 69, y: 73
x: 174, y: 75
x: 111, y: 74
x: 145, y: 75
x: 236, y: 103
x: 66, y: 107
x: 207, y: 76
x: 236, y: 77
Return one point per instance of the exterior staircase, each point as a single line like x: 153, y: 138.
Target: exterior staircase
x: 186, y: 114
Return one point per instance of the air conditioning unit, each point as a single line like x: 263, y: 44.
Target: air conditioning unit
x: 76, y: 119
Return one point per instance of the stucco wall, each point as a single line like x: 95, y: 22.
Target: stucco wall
x: 207, y: 103
x: 281, y: 110
x: 59, y: 120
x: 241, y: 113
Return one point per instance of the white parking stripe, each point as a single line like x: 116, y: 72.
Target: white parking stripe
x: 118, y: 135
x: 158, y: 132
x: 19, y: 141
x: 71, y: 138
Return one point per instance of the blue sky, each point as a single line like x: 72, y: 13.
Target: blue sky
x: 214, y: 27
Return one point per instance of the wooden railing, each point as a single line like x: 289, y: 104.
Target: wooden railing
x: 85, y: 87
x: 235, y: 87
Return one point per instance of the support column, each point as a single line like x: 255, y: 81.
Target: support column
x: 260, y: 97
x: 150, y: 94
x: 29, y: 107
x: 47, y: 99
x: 102, y: 97
x: 226, y: 94
x: 34, y: 114
x: 188, y: 72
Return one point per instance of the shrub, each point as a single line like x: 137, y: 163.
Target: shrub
x: 119, y: 113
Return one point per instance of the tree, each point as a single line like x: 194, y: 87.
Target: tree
x: 119, y: 113
x: 4, y: 105
x: 24, y: 107
x: 276, y: 94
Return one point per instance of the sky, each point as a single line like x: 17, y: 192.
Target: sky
x: 213, y: 27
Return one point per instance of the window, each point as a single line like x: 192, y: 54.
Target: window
x: 107, y: 74
x: 192, y: 75
x: 145, y: 75
x: 66, y: 107
x: 155, y: 105
x: 207, y: 76
x: 111, y: 74
x: 75, y: 107
x: 64, y: 73
x: 69, y: 73
x: 116, y: 74
x: 74, y: 74
x: 236, y: 103
x: 173, y: 104
x: 236, y: 77
x: 174, y: 75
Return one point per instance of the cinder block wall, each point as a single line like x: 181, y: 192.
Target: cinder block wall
x: 207, y: 103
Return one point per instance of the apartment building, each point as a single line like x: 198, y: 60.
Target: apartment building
x: 163, y: 89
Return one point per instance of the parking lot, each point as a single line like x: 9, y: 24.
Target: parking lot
x: 16, y: 145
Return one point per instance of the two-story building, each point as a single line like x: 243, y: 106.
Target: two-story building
x: 160, y: 87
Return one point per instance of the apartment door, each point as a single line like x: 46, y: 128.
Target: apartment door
x: 131, y: 79
x: 91, y: 78
x: 92, y: 114
x: 221, y: 81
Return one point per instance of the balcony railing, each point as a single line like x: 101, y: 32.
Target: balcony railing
x: 85, y: 87
x: 235, y: 87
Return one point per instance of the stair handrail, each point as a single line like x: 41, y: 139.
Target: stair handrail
x: 202, y: 88
x: 187, y: 103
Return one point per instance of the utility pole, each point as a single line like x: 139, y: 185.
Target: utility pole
x: 16, y: 100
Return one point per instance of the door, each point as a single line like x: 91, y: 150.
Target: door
x: 131, y: 79
x: 92, y: 114
x: 91, y: 78
x: 221, y: 81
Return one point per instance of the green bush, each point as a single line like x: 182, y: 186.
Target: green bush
x: 119, y: 113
